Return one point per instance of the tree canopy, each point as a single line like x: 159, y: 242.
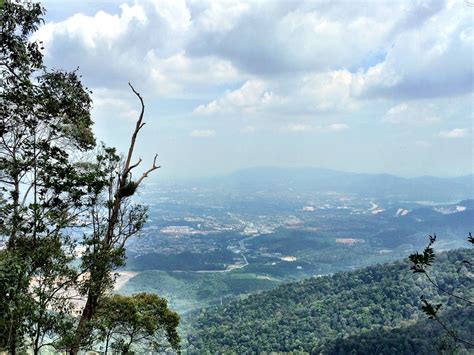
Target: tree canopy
x: 372, y: 310
x: 55, y: 198
x: 123, y: 321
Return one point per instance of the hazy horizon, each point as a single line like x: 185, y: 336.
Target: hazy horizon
x: 366, y: 87
x: 157, y: 178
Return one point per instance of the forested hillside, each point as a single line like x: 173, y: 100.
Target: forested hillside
x: 373, y: 310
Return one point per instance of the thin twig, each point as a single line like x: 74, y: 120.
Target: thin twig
x: 452, y: 333
x: 445, y: 291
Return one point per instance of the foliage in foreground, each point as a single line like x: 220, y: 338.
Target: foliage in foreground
x: 421, y: 264
x: 59, y: 191
x: 121, y: 322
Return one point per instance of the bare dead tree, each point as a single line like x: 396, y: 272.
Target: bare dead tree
x: 114, y: 222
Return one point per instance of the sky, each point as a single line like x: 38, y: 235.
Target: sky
x: 361, y: 86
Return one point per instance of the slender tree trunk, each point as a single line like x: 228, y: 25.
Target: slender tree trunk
x: 92, y: 299
x: 36, y: 344
x: 35, y: 197
x: 86, y: 316
x: 13, y: 339
x: 107, y: 339
x: 15, y: 217
x: 36, y: 350
x: 107, y: 242
x: 13, y: 332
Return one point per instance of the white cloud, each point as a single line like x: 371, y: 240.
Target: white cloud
x: 215, y: 16
x: 203, y: 133
x: 144, y: 43
x: 308, y: 127
x: 300, y: 127
x: 454, y: 133
x: 430, y: 61
x: 304, y: 36
x: 325, y: 92
x: 300, y: 95
x: 92, y: 32
x: 338, y: 127
x: 300, y: 67
x: 178, y: 73
x: 249, y: 98
x: 412, y: 113
x: 177, y: 47
x: 112, y: 104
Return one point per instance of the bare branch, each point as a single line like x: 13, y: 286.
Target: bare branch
x: 131, y: 167
x: 138, y: 126
x: 145, y: 174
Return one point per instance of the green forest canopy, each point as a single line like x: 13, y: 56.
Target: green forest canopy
x: 372, y: 310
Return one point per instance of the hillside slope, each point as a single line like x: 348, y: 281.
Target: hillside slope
x: 372, y: 310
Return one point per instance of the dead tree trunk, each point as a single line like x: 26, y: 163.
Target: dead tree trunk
x: 107, y: 242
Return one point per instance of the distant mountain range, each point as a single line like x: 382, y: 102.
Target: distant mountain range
x: 424, y: 188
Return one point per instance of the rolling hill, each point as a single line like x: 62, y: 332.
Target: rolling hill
x: 372, y: 310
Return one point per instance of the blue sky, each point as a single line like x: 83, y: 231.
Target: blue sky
x: 364, y: 86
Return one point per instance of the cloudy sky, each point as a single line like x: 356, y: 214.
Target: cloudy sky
x: 364, y: 86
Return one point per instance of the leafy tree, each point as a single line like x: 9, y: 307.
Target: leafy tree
x: 49, y: 195
x: 141, y: 321
x: 44, y: 119
x: 420, y: 265
x: 114, y: 219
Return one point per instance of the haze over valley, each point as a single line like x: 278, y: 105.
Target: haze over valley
x: 236, y: 177
x: 209, y: 241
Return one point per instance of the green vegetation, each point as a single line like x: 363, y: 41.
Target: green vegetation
x: 421, y: 263
x: 373, y: 310
x: 54, y: 197
x: 121, y: 322
x: 187, y: 291
x: 186, y: 261
x: 66, y: 215
x: 45, y: 118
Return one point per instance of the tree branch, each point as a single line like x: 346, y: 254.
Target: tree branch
x: 445, y: 291
x: 153, y: 168
x: 134, y: 165
x: 138, y: 126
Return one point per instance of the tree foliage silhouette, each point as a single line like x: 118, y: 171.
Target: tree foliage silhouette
x: 420, y: 265
x: 52, y: 194
x: 114, y: 220
x: 45, y: 117
x: 123, y: 321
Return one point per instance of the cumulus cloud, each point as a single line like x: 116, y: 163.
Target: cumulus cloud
x: 300, y: 127
x: 272, y: 37
x: 113, y: 104
x: 250, y: 97
x: 145, y: 42
x: 307, y: 67
x: 433, y: 60
x: 299, y: 95
x: 395, y: 49
x: 322, y: 92
x: 454, y: 133
x: 308, y: 127
x: 273, y: 59
x: 412, y: 113
x: 202, y: 133
x: 338, y: 127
